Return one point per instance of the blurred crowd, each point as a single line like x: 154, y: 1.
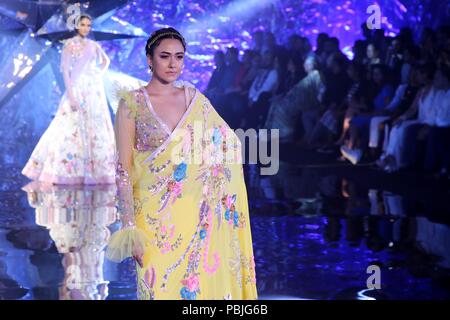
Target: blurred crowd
x: 388, y: 104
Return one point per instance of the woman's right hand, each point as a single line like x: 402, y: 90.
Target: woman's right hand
x: 137, y: 251
x: 138, y: 254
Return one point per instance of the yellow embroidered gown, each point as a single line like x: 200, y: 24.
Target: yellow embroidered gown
x: 183, y: 198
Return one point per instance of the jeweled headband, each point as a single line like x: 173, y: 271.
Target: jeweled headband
x: 166, y: 34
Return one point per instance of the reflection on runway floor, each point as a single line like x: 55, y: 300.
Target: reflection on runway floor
x: 315, y: 230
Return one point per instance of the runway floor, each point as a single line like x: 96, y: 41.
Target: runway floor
x: 317, y: 226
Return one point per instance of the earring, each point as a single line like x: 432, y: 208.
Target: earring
x: 150, y: 67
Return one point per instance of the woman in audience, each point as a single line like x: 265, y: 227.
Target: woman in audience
x: 382, y: 92
x: 301, y: 100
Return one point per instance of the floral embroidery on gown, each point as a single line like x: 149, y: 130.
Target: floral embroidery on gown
x: 191, y: 217
x: 78, y: 147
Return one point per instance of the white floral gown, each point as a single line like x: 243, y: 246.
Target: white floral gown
x: 78, y: 147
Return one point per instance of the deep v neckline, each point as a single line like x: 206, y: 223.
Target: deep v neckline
x: 159, y: 119
x: 180, y: 123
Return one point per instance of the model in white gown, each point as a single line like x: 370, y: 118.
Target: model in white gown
x: 78, y: 147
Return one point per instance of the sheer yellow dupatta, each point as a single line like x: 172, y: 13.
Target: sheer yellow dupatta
x: 190, y: 200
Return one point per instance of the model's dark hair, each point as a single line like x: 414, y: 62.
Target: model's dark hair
x: 159, y: 35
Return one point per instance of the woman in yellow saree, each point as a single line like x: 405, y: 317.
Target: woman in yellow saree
x: 182, y: 196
